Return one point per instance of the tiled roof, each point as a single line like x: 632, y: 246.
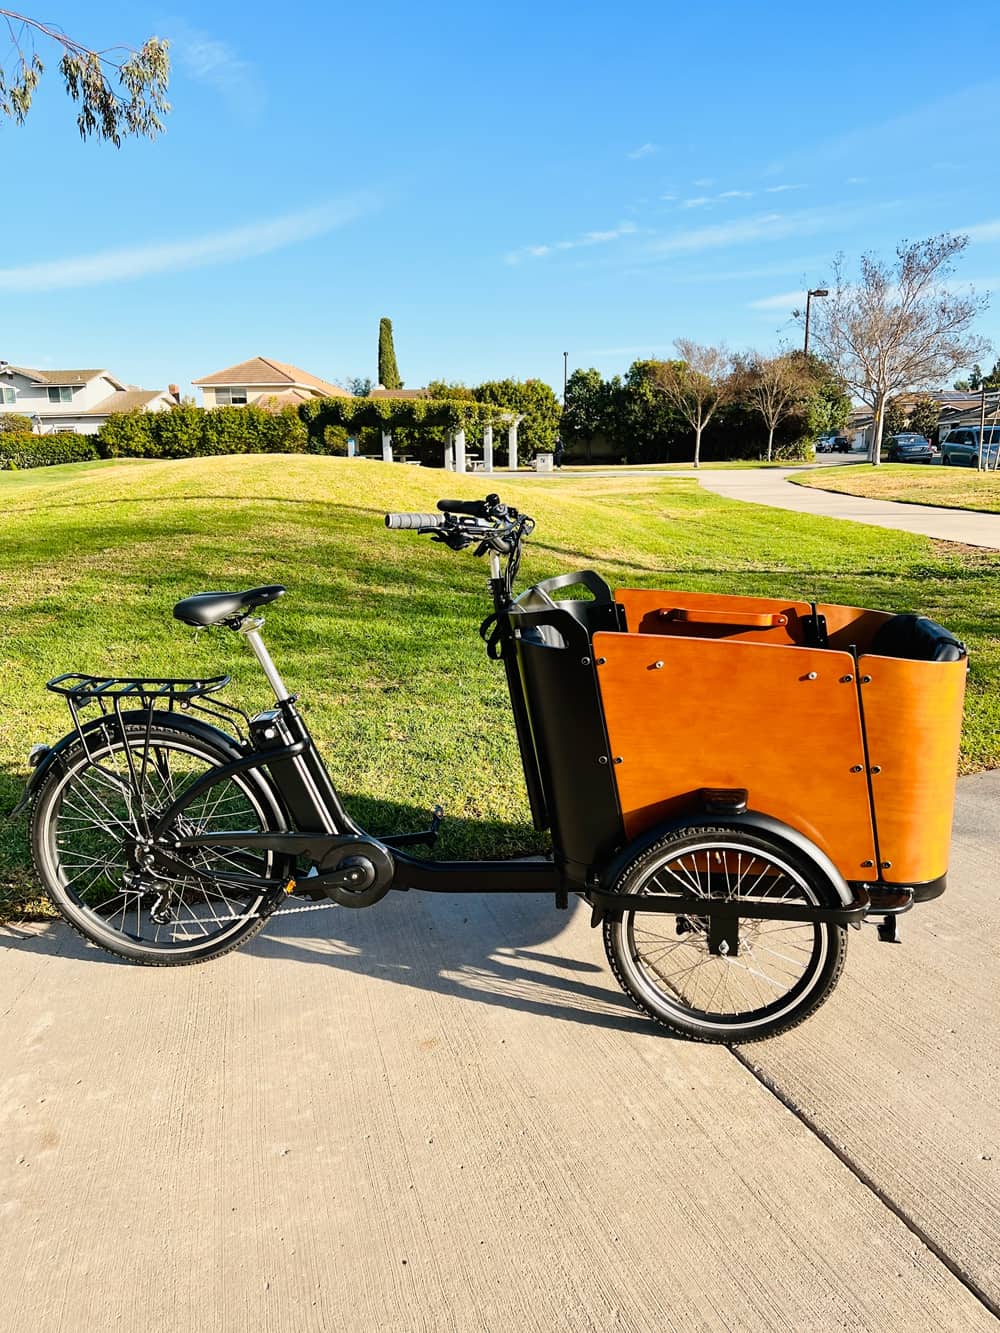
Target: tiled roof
x: 60, y: 376
x: 263, y: 371
x: 123, y: 401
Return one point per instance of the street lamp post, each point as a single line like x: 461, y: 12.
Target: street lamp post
x: 818, y: 291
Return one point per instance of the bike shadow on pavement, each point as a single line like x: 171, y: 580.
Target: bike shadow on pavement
x: 513, y: 950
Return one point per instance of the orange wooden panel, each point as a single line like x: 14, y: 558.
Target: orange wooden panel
x: 913, y: 716
x: 851, y: 624
x: 644, y: 608
x: 775, y: 719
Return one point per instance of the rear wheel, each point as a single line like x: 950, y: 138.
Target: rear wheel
x: 89, y: 838
x: 782, y: 970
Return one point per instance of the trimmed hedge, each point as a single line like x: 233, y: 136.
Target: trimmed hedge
x: 24, y: 451
x: 193, y: 432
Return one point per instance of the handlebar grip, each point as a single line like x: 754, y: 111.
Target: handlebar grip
x: 472, y: 508
x: 411, y: 521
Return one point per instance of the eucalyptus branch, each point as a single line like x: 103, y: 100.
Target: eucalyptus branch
x: 104, y: 112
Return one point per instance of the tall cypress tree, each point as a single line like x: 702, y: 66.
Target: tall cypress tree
x: 388, y: 371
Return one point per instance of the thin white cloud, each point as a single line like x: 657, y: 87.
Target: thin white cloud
x: 761, y: 227
x: 736, y: 194
x: 220, y: 247
x: 215, y: 63
x: 644, y: 150
x: 703, y: 182
x: 766, y: 226
x: 856, y: 180
x: 668, y: 197
x: 700, y: 202
x: 982, y: 231
x: 782, y: 189
x: 588, y: 238
x: 782, y: 301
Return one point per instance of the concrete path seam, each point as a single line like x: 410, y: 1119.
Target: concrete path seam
x: 862, y: 1176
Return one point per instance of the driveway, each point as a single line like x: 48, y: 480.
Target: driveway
x: 440, y: 1114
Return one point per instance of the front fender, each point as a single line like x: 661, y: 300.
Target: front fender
x: 752, y: 820
x: 43, y: 759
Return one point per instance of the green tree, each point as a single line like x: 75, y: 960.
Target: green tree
x: 924, y: 414
x: 104, y: 112
x: 388, y: 371
x: 359, y: 385
x: 592, y: 414
x: 537, y: 406
x: 895, y: 418
x: 14, y: 423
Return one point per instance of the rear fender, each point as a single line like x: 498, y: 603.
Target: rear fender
x: 754, y: 821
x: 44, y: 759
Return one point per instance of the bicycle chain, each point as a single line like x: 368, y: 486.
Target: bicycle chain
x: 280, y: 911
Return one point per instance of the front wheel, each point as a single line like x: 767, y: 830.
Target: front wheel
x: 781, y: 972
x: 90, y: 833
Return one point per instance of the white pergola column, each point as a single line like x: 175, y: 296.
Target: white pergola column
x: 460, y: 451
x: 449, y: 455
x: 386, y: 447
x: 512, y: 445
x: 487, y: 448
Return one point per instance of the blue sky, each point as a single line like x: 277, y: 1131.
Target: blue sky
x: 507, y: 183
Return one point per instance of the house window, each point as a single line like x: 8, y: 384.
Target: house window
x: 230, y: 398
x: 62, y: 394
x: 7, y: 395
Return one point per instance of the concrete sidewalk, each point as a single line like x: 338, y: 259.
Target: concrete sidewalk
x: 768, y: 486
x: 440, y: 1114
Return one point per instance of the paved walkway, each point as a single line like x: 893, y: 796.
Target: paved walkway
x: 440, y: 1114
x: 768, y: 486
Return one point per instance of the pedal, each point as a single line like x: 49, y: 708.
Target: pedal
x: 425, y: 838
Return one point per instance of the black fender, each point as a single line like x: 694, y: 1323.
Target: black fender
x: 752, y: 820
x: 46, y: 759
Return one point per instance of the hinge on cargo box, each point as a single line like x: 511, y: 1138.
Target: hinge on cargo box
x: 814, y: 629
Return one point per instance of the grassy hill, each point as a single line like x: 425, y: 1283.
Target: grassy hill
x: 378, y: 631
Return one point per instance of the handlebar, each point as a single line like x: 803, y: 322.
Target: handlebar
x: 472, y: 508
x: 422, y: 522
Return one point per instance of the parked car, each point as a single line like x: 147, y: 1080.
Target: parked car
x: 824, y: 445
x: 841, y: 445
x: 909, y: 448
x: 960, y: 447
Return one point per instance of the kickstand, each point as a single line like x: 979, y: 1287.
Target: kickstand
x: 888, y: 931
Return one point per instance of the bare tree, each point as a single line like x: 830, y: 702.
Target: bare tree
x: 774, y: 386
x: 898, y: 328
x: 697, y: 385
x: 108, y: 114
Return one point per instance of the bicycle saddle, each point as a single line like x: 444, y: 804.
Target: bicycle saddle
x: 224, y: 608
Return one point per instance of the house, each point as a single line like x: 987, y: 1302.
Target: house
x: 265, y: 383
x: 77, y: 401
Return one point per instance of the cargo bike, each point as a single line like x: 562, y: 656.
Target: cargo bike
x: 730, y: 783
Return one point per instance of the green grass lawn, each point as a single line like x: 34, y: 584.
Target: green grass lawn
x: 948, y: 487
x: 378, y: 631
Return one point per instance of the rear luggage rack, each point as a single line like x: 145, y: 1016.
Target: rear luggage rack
x: 149, y: 694
x: 86, y: 689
